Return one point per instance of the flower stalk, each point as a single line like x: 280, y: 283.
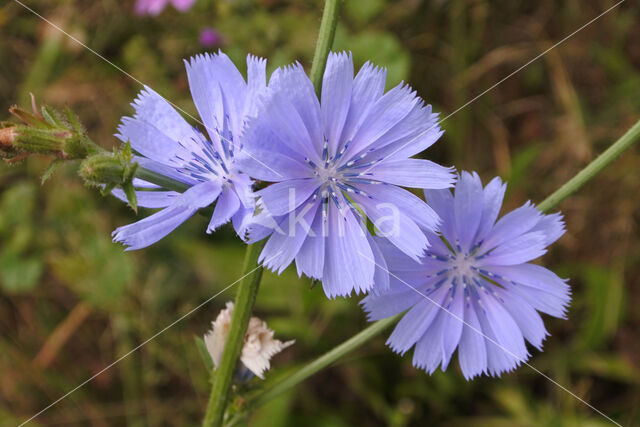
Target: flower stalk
x: 248, y: 288
x: 592, y: 169
x: 325, y: 41
x: 243, y: 305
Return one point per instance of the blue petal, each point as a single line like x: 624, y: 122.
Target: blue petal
x: 256, y: 83
x: 389, y: 304
x: 394, y: 225
x: 381, y: 275
x: 154, y: 109
x: 514, y: 224
x: 241, y: 221
x: 286, y: 196
x: 227, y: 205
x: 527, y: 318
x: 149, y: 199
x: 292, y: 82
x: 472, y: 351
x: 386, y: 113
x: 493, y: 196
x: 270, y: 165
x: 452, y: 326
x: 552, y: 226
x: 153, y: 228
x: 368, y: 87
x: 519, y: 250
x: 146, y: 139
x: 532, y: 275
x: 283, y: 246
x: 428, y: 353
x: 310, y: 257
x: 468, y: 203
x: 414, y: 207
x: 415, y: 323
x: 414, y: 133
x: 416, y: 173
x: 442, y: 203
x: 279, y: 116
x: 335, y: 99
x: 349, y: 263
x: 505, y: 344
x: 210, y: 75
x: 538, y: 286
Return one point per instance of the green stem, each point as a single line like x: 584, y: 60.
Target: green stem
x: 161, y: 180
x: 245, y: 298
x: 328, y: 358
x: 592, y: 169
x: 324, y: 43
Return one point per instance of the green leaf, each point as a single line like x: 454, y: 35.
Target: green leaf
x: 53, y: 166
x: 204, y: 353
x: 19, y: 275
x: 130, y: 192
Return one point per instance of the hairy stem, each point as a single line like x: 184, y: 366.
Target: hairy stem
x: 245, y: 298
x: 592, y: 169
x: 324, y: 43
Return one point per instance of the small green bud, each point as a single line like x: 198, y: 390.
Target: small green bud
x: 46, y: 132
x: 110, y: 170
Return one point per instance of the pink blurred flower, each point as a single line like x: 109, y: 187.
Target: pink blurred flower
x: 154, y: 7
x: 210, y: 37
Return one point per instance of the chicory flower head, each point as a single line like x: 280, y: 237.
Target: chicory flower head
x: 206, y: 163
x: 335, y: 163
x: 474, y: 289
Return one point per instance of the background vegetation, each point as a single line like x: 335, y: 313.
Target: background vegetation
x: 71, y: 301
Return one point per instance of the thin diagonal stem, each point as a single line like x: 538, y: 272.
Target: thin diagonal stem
x: 327, y: 359
x: 592, y: 169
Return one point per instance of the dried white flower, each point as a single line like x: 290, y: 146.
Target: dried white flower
x: 259, y: 345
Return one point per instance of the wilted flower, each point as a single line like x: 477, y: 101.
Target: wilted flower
x: 154, y: 7
x: 475, y: 289
x: 337, y: 160
x: 169, y: 146
x: 258, y: 348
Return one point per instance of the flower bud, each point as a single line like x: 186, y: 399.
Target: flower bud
x: 110, y: 169
x: 45, y: 132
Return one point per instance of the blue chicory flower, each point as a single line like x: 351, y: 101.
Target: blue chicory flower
x: 165, y: 143
x: 474, y: 289
x: 336, y: 161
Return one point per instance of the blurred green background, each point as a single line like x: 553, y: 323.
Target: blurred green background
x: 71, y: 301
